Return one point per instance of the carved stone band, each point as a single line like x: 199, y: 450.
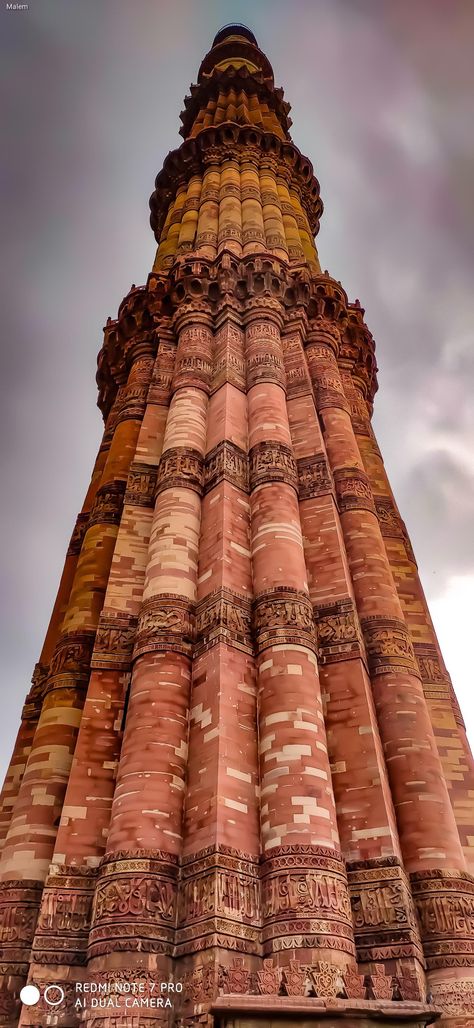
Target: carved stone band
x: 383, y: 914
x: 389, y: 647
x: 314, y: 476
x: 64, y: 920
x: 193, y: 371
x: 181, y: 468
x: 444, y: 903
x: 305, y: 899
x: 141, y: 484
x: 219, y: 895
x: 130, y: 403
x: 391, y: 525
x: 134, y: 905
x: 114, y: 641
x: 353, y: 490
x: 226, y: 617
x: 338, y: 632
x: 78, y: 534
x: 283, y: 616
x: 226, y: 462
x: 272, y: 462
x: 165, y: 623
x: 70, y: 666
x: 428, y: 663
x: 34, y: 699
x: 108, y: 505
x: 19, y: 901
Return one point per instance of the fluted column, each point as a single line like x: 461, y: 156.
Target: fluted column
x: 30, y: 840
x: 82, y: 834
x: 146, y: 820
x: 448, y: 725
x: 230, y: 208
x: 302, y: 869
x: 219, y: 909
x: 271, y: 209
x: 365, y: 815
x: 428, y: 835
x: 208, y: 219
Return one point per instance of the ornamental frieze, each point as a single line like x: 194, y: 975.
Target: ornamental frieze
x: 353, y: 490
x: 272, y: 462
x: 78, y: 534
x: 226, y: 462
x: 181, y: 468
x: 338, y: 631
x: 219, y: 892
x: 114, y: 641
x: 18, y: 914
x: 283, y: 616
x: 165, y: 623
x: 265, y: 367
x: 141, y: 484
x: 382, y: 910
x: 389, y: 646
x: 108, y: 505
x: 428, y: 663
x: 130, y: 403
x: 70, y: 664
x: 193, y: 371
x: 389, y: 518
x: 224, y: 616
x: 444, y: 903
x: 34, y: 699
x: 314, y: 476
x: 65, y: 914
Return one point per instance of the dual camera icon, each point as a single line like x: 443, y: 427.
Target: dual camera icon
x: 53, y: 995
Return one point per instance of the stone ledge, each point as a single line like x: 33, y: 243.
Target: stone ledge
x: 416, y: 1014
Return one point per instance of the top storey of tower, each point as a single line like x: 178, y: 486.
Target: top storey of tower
x: 235, y: 83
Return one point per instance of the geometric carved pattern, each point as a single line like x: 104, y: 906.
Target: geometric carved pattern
x: 444, y: 902
x: 338, y: 631
x: 389, y: 646
x: 283, y: 616
x: 272, y: 462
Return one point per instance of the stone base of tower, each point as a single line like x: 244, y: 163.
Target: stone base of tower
x: 307, y: 1012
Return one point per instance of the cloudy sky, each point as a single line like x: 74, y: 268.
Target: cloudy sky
x: 382, y: 96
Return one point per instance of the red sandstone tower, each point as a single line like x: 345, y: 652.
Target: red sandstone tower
x: 241, y: 766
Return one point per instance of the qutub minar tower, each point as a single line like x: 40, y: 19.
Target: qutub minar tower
x: 241, y: 766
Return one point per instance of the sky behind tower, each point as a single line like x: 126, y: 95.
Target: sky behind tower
x: 382, y: 97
